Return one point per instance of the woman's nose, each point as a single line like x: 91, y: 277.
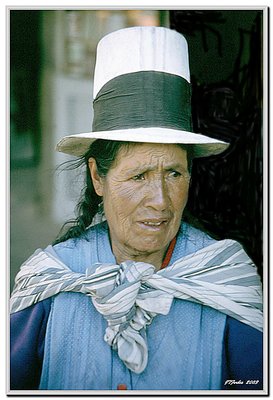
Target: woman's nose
x: 157, y: 195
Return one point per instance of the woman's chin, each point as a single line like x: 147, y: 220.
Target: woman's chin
x: 148, y: 246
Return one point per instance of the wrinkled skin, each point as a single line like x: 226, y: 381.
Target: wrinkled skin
x: 144, y: 195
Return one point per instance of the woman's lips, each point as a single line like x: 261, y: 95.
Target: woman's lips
x: 153, y: 224
x: 150, y: 223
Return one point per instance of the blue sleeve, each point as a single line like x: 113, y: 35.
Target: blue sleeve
x: 242, y: 357
x: 27, y: 333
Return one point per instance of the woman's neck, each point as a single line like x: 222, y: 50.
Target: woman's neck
x: 156, y: 258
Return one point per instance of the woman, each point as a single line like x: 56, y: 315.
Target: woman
x: 141, y: 301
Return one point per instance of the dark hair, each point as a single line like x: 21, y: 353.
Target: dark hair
x: 105, y: 153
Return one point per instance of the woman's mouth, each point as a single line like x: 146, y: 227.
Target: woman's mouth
x: 154, y: 224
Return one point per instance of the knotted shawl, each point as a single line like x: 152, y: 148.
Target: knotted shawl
x: 131, y: 294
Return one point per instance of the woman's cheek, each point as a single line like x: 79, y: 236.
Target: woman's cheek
x: 124, y: 200
x: 179, y: 195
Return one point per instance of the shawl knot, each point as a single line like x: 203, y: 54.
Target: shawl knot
x: 126, y: 319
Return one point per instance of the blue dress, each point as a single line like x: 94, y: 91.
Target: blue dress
x: 192, y: 348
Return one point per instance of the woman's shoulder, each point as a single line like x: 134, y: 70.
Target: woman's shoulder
x: 86, y: 237
x: 85, y: 240
x: 82, y: 248
x: 194, y: 233
x: 193, y: 238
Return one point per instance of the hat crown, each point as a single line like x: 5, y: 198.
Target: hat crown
x: 142, y: 93
x: 145, y: 48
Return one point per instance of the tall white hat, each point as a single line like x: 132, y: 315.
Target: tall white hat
x: 142, y: 93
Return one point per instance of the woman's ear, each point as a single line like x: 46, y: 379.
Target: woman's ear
x: 96, y: 179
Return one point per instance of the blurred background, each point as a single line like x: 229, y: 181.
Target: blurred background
x: 52, y: 57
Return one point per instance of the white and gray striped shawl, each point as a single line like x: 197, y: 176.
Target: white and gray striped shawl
x: 130, y: 295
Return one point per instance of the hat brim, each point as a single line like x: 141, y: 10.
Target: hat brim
x: 203, y: 146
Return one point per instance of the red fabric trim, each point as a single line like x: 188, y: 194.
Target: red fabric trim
x: 122, y: 386
x: 169, y: 254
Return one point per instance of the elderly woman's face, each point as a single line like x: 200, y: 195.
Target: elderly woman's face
x: 144, y: 195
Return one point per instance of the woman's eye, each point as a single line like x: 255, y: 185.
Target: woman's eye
x: 138, y: 177
x: 174, y: 174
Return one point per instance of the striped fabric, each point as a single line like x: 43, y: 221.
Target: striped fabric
x: 131, y: 294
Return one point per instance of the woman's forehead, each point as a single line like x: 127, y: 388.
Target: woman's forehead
x: 150, y: 154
